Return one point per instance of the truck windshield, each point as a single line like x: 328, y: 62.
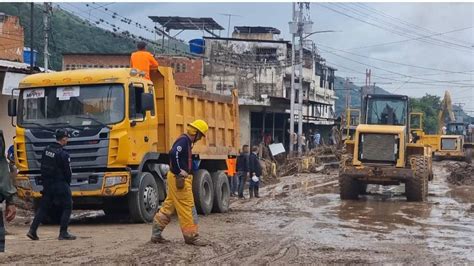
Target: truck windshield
x: 85, y: 105
x: 456, y: 129
x: 387, y: 111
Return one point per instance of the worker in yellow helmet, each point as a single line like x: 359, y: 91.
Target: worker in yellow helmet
x: 179, y: 196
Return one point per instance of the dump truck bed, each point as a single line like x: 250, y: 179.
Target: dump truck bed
x: 178, y: 106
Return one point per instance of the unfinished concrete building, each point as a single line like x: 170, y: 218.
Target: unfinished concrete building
x: 257, y: 63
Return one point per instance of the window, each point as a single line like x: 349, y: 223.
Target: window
x: 135, y: 93
x: 267, y: 54
x: 104, y: 103
x: 151, y: 90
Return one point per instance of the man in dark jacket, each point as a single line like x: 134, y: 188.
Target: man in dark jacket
x: 7, y: 191
x: 243, y: 169
x: 56, y: 178
x: 255, y: 170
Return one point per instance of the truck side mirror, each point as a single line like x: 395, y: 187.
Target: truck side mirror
x: 12, y: 108
x: 146, y: 103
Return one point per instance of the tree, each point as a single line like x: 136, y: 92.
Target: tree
x: 429, y: 105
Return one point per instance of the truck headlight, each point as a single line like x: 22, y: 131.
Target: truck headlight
x: 23, y: 183
x: 115, y: 180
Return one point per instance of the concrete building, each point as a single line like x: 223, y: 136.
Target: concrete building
x: 187, y: 71
x: 258, y: 64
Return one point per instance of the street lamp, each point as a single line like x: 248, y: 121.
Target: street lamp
x: 320, y: 31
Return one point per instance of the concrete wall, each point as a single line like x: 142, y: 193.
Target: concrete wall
x: 187, y: 71
x: 237, y: 64
x: 244, y: 116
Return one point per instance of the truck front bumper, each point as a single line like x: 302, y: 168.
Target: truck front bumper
x: 106, y: 184
x: 378, y: 174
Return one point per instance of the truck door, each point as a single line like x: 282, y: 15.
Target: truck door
x: 141, y: 124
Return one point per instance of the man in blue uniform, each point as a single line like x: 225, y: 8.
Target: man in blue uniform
x: 56, y: 178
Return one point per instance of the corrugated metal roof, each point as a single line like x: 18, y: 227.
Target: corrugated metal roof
x: 16, y: 65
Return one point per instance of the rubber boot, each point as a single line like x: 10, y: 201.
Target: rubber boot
x: 196, y: 241
x: 32, y: 235
x: 156, y: 236
x: 66, y: 236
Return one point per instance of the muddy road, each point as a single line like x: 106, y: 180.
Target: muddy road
x: 299, y: 220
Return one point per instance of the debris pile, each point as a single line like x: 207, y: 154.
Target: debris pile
x: 461, y: 174
x: 314, y: 161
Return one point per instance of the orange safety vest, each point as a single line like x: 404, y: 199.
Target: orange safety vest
x: 231, y: 166
x: 143, y: 60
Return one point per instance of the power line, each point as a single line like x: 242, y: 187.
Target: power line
x: 392, y: 62
x: 401, y: 33
x: 412, y: 25
x: 390, y: 71
x: 402, y: 29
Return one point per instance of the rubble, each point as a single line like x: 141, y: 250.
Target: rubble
x: 314, y: 161
x: 461, y: 174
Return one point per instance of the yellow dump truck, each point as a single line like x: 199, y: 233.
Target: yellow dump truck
x: 122, y: 127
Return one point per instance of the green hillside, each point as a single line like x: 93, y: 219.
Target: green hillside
x: 72, y: 34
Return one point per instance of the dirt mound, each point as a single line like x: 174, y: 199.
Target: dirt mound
x: 461, y: 174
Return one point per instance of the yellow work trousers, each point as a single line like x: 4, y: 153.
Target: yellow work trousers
x: 180, y: 201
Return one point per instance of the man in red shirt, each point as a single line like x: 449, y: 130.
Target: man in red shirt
x: 143, y: 60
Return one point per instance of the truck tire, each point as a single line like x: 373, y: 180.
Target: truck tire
x: 203, y: 191
x: 468, y: 157
x: 143, y: 204
x: 416, y: 188
x: 221, y: 192
x: 348, y: 188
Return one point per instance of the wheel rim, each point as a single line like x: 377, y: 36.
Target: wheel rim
x: 150, y: 198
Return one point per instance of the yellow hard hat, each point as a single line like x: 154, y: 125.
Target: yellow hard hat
x: 200, y: 125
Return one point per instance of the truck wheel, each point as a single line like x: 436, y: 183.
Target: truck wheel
x: 221, y: 192
x: 348, y: 188
x: 416, y: 188
x: 143, y: 204
x: 468, y: 157
x: 203, y: 191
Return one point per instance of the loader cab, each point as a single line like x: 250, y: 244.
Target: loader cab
x: 456, y: 129
x: 379, y: 109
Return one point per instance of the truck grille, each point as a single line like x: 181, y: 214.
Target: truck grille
x: 448, y: 144
x: 378, y: 147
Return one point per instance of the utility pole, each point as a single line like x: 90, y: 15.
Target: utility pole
x: 46, y: 17
x: 293, y: 31
x: 32, y: 7
x: 228, y: 22
x: 300, y: 79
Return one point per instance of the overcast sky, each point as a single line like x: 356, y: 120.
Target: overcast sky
x: 431, y: 39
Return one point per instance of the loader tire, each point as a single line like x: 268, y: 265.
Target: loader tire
x: 468, y: 157
x: 348, y: 188
x: 221, y: 192
x: 416, y: 188
x: 143, y: 203
x: 203, y: 191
